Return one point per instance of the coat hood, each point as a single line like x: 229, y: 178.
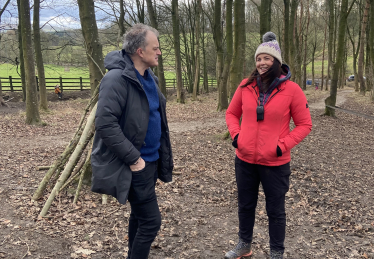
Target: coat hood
x: 117, y: 59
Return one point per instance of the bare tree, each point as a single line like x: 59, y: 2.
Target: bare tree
x: 331, y: 100
x: 39, y: 57
x: 20, y: 61
x: 2, y: 103
x: 371, y: 43
x: 306, y: 48
x: 217, y: 36
x: 362, y: 44
x: 94, y: 50
x: 198, y: 8
x: 175, y: 18
x: 236, y: 73
x: 32, y: 109
x: 160, y: 68
x: 286, y: 38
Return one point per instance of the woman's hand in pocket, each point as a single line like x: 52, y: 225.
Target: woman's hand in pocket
x: 138, y: 166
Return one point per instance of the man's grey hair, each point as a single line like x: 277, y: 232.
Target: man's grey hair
x: 134, y: 38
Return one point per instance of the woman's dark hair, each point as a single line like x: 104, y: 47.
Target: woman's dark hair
x: 274, y: 71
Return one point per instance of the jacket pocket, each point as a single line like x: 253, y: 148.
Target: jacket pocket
x: 105, y: 177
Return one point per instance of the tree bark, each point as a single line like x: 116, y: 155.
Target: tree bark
x: 32, y: 109
x: 362, y: 48
x: 265, y: 16
x: 371, y: 44
x: 177, y: 51
x: 206, y: 85
x: 331, y: 100
x: 306, y: 48
x: 236, y: 73
x: 121, y: 25
x: 198, y: 8
x: 330, y: 48
x: 94, y: 50
x: 160, y: 68
x: 39, y: 57
x: 293, y: 37
x: 323, y: 59
x: 286, y: 37
x: 217, y: 36
x: 21, y: 60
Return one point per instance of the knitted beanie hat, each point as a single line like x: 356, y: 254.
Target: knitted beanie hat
x: 269, y: 46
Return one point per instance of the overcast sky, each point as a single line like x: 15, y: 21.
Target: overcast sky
x: 54, y: 14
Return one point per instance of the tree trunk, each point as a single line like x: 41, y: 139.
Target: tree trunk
x: 94, y: 50
x: 160, y: 68
x: 371, y: 44
x: 330, y: 48
x: 369, y: 76
x: 331, y: 100
x: 32, y: 109
x: 286, y: 37
x: 230, y: 48
x: 223, y: 85
x: 217, y: 36
x: 362, y: 47
x: 306, y: 48
x: 121, y: 25
x: 323, y: 59
x: 39, y: 57
x: 265, y: 16
x: 292, y: 38
x: 236, y: 73
x: 197, y: 49
x: 140, y: 8
x: 21, y: 60
x: 206, y: 86
x: 177, y: 51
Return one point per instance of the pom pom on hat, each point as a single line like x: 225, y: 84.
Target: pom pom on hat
x: 269, y: 36
x: 269, y: 46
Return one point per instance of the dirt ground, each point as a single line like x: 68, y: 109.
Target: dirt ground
x: 330, y: 212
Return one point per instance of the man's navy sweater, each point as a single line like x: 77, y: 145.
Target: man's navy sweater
x: 149, y: 150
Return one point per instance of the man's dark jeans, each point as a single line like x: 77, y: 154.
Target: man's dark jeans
x: 275, y: 183
x: 145, y: 217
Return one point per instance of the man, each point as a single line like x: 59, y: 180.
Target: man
x: 132, y: 147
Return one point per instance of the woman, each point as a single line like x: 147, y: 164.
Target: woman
x: 265, y: 102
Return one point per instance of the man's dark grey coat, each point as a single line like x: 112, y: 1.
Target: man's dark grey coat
x: 121, y: 124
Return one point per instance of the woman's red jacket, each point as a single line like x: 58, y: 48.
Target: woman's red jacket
x: 258, y: 140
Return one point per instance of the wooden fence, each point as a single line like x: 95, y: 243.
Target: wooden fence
x: 14, y: 84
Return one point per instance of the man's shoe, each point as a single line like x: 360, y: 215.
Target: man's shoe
x: 276, y: 254
x: 241, y: 250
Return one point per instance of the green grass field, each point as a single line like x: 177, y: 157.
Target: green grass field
x: 51, y: 71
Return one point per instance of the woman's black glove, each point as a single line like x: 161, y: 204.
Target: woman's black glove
x: 279, y: 151
x: 235, y: 142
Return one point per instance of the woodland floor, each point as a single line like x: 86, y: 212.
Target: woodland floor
x: 330, y: 212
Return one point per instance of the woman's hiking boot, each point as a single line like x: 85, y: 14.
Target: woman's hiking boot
x: 276, y: 254
x: 241, y: 250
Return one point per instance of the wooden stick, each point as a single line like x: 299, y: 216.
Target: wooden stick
x: 87, y: 134
x: 40, y: 168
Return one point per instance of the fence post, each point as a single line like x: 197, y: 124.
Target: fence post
x: 81, y: 83
x: 37, y: 83
x: 61, y: 84
x: 174, y: 83
x: 11, y: 83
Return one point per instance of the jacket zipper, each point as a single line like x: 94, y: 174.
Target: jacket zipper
x: 271, y: 97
